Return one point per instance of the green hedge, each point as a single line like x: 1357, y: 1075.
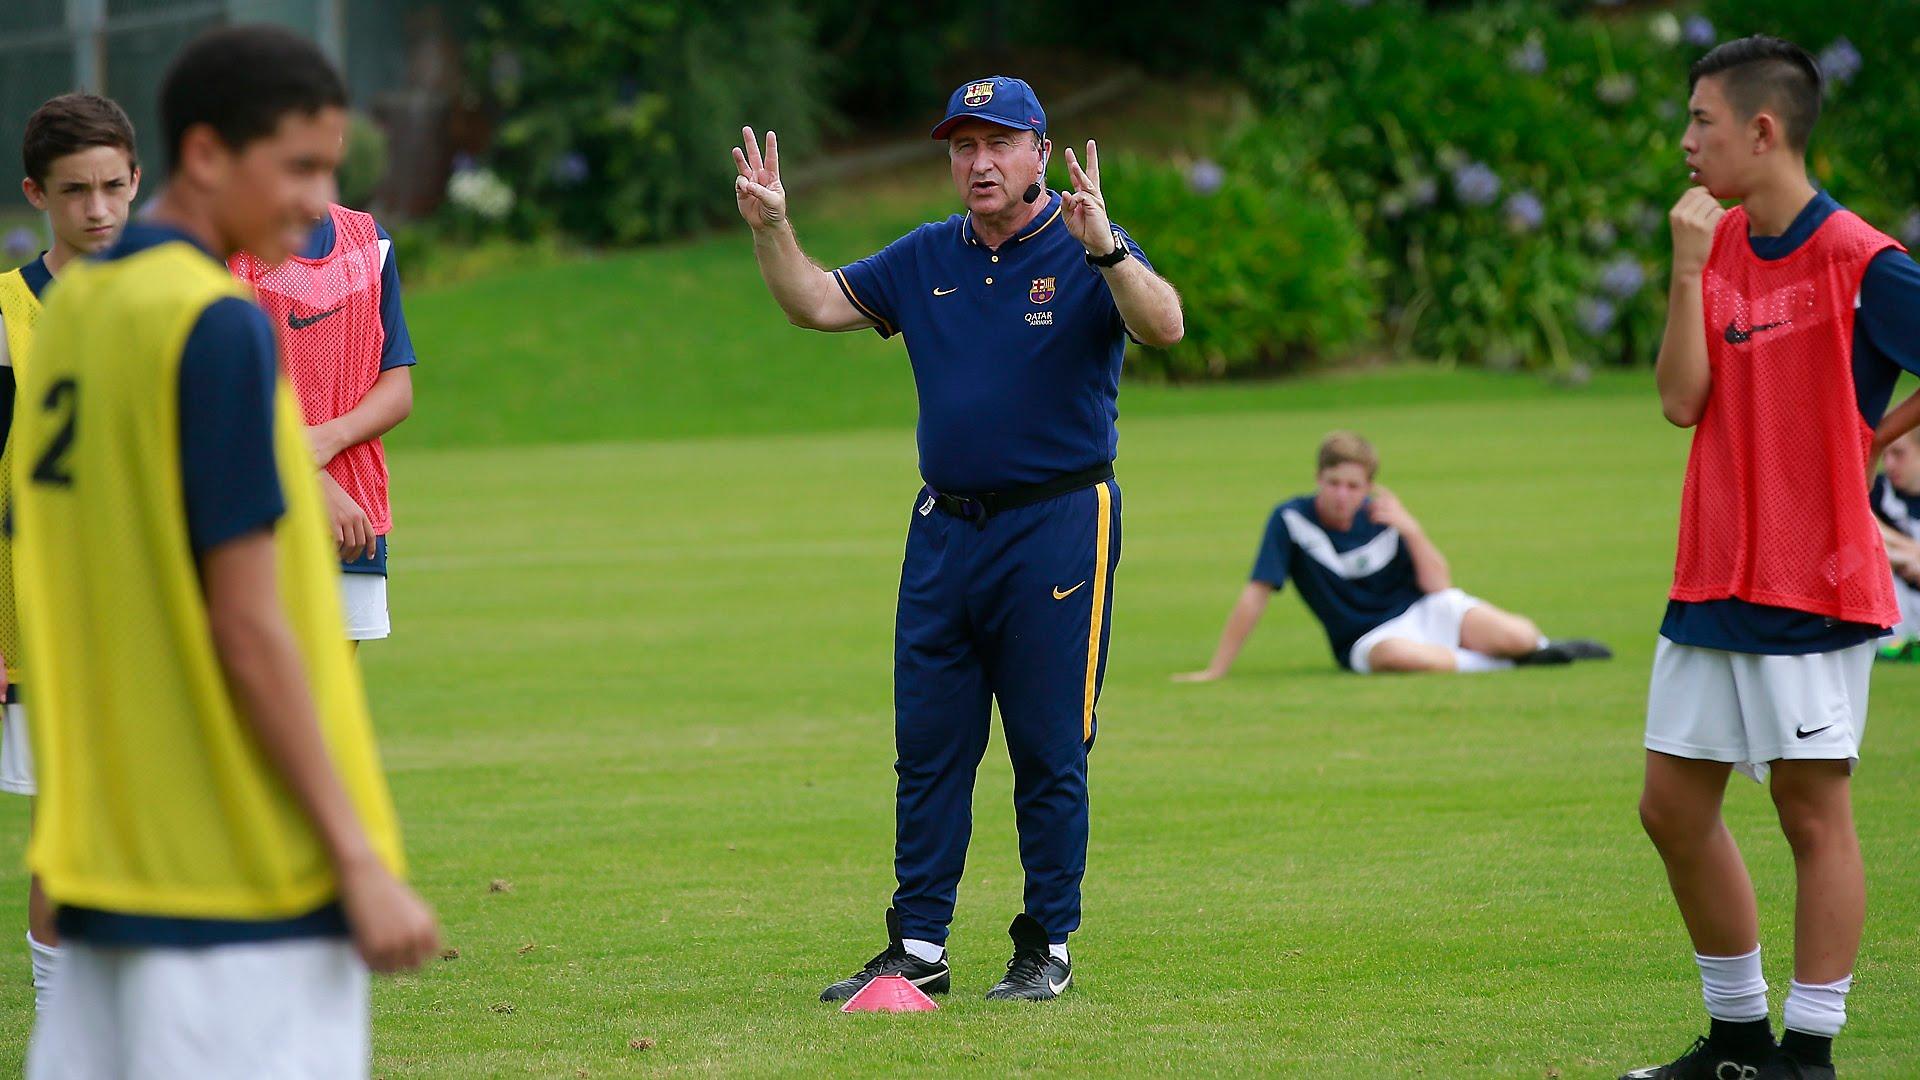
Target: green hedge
x: 1509, y: 169
x: 1271, y: 274
x: 615, y: 118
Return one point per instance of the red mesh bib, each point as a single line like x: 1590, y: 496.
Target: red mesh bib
x: 327, y: 314
x: 1775, y: 505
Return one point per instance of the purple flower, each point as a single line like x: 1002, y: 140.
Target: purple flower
x: 570, y: 169
x: 1697, y: 32
x: 1475, y: 184
x: 1622, y: 278
x: 22, y: 243
x: 1524, y: 211
x: 1909, y: 230
x: 1205, y: 177
x: 1423, y: 192
x: 1840, y: 61
x: 1595, y: 316
x: 1529, y: 59
x: 1615, y: 89
x: 1602, y: 234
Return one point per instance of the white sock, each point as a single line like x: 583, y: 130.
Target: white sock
x: 924, y: 951
x: 1059, y: 952
x: 1466, y: 661
x: 45, y: 958
x: 1733, y: 986
x: 1818, y: 1008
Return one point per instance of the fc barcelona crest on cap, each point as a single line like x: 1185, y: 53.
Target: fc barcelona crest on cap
x: 979, y: 94
x: 1042, y: 290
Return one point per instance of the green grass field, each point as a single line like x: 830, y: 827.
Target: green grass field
x: 645, y: 565
x: 647, y: 685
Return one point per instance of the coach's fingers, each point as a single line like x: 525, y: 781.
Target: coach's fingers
x: 1093, y: 163
x: 740, y: 162
x: 773, y: 154
x: 753, y: 149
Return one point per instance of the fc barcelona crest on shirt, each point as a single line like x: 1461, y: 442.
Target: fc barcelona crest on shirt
x: 978, y: 94
x: 1042, y: 290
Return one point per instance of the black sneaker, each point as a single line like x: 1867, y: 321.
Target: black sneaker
x: 931, y: 978
x: 1034, y: 973
x: 1784, y: 1066
x: 1566, y: 651
x: 1700, y: 1062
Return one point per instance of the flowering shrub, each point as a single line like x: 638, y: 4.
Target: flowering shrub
x: 1271, y: 274
x: 1511, y: 167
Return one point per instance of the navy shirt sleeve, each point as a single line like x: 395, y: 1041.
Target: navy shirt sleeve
x: 227, y: 379
x: 1886, y: 330
x: 876, y: 284
x: 398, y: 351
x: 1276, y: 551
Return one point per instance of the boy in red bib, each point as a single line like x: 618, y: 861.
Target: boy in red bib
x: 345, y: 345
x: 1788, y: 324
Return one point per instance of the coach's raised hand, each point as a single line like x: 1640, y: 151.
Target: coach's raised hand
x: 757, y: 190
x: 1086, y: 208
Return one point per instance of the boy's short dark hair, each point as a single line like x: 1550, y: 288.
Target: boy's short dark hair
x: 240, y: 81
x: 69, y: 124
x: 1761, y: 72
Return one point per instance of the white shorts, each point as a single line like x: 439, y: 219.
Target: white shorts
x: 363, y: 604
x: 1749, y: 709
x: 279, y: 1010
x: 1434, y: 619
x: 16, y: 754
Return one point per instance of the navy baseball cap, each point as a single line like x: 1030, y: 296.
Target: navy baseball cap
x: 999, y: 99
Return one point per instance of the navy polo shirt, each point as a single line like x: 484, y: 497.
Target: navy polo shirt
x: 1886, y: 341
x: 1016, y: 352
x: 1352, y: 579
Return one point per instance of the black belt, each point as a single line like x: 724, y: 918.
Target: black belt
x: 980, y: 506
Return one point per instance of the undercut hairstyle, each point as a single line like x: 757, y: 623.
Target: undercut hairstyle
x: 241, y: 81
x: 1348, y: 448
x: 69, y: 124
x: 1762, y: 73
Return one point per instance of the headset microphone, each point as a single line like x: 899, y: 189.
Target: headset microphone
x: 1033, y: 192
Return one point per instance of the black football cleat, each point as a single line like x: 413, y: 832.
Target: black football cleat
x: 1034, y: 973
x: 1701, y: 1062
x: 1784, y: 1066
x: 1566, y: 651
x: 932, y: 978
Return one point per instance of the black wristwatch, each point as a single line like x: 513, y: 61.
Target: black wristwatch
x: 1114, y: 257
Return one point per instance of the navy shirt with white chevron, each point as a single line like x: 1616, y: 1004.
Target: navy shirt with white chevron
x: 1352, y: 579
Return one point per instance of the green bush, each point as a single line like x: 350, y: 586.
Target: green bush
x: 1514, y: 166
x: 1270, y: 274
x: 365, y: 163
x: 615, y: 118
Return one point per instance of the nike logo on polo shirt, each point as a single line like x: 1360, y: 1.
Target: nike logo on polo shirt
x: 1737, y: 336
x: 296, y: 322
x: 945, y: 292
x: 1058, y: 595
x: 1800, y: 732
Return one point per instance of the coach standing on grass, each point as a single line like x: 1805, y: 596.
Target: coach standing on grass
x: 1016, y: 315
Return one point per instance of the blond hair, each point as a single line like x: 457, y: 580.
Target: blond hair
x: 1347, y: 447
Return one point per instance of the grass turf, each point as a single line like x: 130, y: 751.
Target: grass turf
x: 645, y: 686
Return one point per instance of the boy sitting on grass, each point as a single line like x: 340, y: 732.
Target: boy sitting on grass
x: 1378, y: 585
